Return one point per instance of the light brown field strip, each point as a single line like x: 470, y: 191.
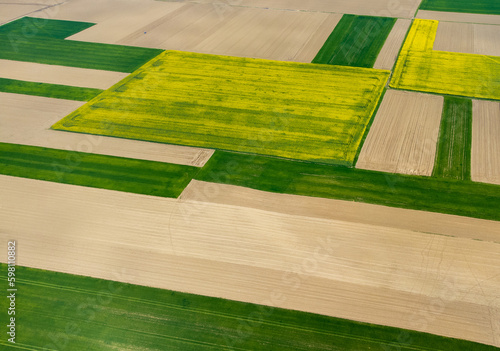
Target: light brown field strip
x: 12, y: 11
x: 485, y: 160
x: 469, y: 38
x: 26, y: 119
x: 41, y: 73
x: 389, y: 53
x: 377, y: 274
x: 403, y: 136
x: 458, y: 17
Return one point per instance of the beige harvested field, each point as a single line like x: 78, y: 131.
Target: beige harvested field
x: 26, y: 120
x: 458, y: 17
x: 389, y: 53
x: 80, y: 77
x: 11, y: 11
x: 404, y: 133
x: 468, y: 38
x: 372, y: 273
x: 485, y: 160
x: 247, y: 32
x: 385, y: 8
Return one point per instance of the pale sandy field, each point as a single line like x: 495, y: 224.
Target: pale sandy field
x: 468, y: 38
x: 79, y: 77
x: 241, y: 31
x: 458, y: 17
x: 389, y: 53
x: 373, y: 273
x: 485, y: 161
x: 26, y: 120
x: 11, y: 11
x: 403, y: 136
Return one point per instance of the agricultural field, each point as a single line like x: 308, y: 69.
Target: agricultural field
x: 356, y: 41
x: 453, y: 158
x: 403, y: 135
x: 421, y: 68
x: 485, y: 143
x: 291, y: 110
x: 251, y: 175
x: 194, y: 322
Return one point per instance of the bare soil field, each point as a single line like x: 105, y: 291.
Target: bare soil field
x: 79, y: 77
x: 458, y: 17
x: 468, y: 38
x: 389, y: 53
x: 378, y: 274
x: 485, y: 166
x: 26, y: 119
x: 12, y: 11
x: 403, y: 136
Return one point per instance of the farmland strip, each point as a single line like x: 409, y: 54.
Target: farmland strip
x: 99, y: 171
x: 453, y: 157
x: 488, y: 7
x: 106, y: 314
x: 48, y: 90
x: 355, y: 41
x: 464, y: 198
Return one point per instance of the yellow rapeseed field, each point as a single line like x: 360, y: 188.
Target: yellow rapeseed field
x: 421, y: 68
x: 285, y: 109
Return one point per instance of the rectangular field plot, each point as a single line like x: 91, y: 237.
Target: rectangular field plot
x: 403, y: 136
x: 285, y: 109
x: 491, y: 7
x: 485, y: 142
x: 421, y: 68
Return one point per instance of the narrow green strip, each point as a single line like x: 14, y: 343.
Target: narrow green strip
x: 487, y: 7
x: 97, y: 171
x: 453, y: 156
x: 449, y: 196
x: 356, y: 41
x: 48, y: 90
x: 70, y: 312
x: 33, y: 27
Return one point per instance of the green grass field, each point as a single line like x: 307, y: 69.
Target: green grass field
x: 464, y: 198
x: 92, y: 170
x: 42, y: 41
x: 48, y: 90
x: 355, y: 41
x: 488, y: 7
x: 285, y: 109
x: 453, y: 156
x: 56, y: 311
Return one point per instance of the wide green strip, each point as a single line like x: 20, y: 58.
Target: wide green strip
x: 48, y: 90
x: 18, y: 44
x: 488, y: 7
x: 449, y: 196
x: 67, y: 312
x: 355, y: 41
x: 97, y: 171
x: 31, y: 27
x: 453, y: 157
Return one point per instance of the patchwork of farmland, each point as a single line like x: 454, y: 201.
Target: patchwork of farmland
x: 292, y: 110
x: 421, y: 68
x: 296, y: 197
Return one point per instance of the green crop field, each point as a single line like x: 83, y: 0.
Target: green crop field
x: 488, y: 7
x: 23, y: 40
x: 286, y: 109
x: 92, y: 170
x: 464, y: 198
x: 453, y: 157
x: 355, y: 41
x: 48, y: 90
x: 57, y: 311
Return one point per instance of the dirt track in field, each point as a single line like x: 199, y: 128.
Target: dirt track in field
x: 389, y: 53
x: 458, y: 17
x: 79, y: 77
x: 372, y: 273
x: 468, y: 38
x: 485, y: 159
x: 403, y: 136
x: 26, y: 120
